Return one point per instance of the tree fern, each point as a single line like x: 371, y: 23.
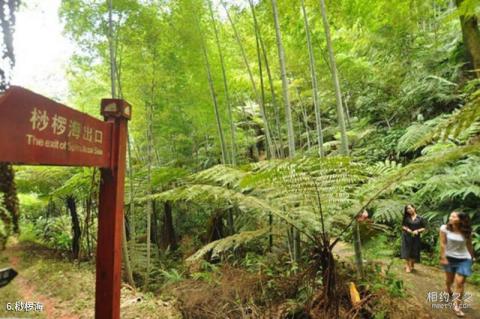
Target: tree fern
x: 294, y: 190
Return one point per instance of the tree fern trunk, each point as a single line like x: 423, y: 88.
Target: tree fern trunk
x: 358, y: 250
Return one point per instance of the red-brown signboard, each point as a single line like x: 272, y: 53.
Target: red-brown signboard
x: 37, y: 130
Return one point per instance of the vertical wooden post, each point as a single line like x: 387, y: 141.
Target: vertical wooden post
x: 110, y: 219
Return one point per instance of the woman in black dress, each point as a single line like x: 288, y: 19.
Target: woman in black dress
x: 412, y: 226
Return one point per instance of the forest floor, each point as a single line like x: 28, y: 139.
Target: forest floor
x: 66, y: 289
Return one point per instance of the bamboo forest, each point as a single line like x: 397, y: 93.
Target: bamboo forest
x: 283, y: 159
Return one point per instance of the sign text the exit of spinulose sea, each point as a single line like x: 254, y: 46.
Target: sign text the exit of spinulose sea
x: 37, y: 130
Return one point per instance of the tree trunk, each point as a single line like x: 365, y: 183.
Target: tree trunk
x: 7, y: 174
x: 111, y: 48
x: 215, y: 229
x: 288, y: 110
x: 150, y: 191
x: 272, y: 147
x: 131, y: 197
x: 263, y: 114
x: 271, y: 144
x: 128, y: 232
x: 272, y: 88
x: 336, y: 82
x: 126, y: 257
x: 10, y: 199
x: 471, y: 39
x: 305, y: 120
x: 114, y: 80
x: 358, y: 250
x: 168, y: 231
x: 283, y: 68
x: 72, y: 207
x: 341, y: 120
x: 225, y: 86
x: 313, y: 72
x: 347, y: 110
x: 88, y: 212
x: 213, y: 95
x: 7, y: 23
x: 230, y: 221
x: 154, y: 226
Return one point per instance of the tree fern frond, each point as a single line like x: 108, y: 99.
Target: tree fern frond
x: 219, y: 196
x: 382, y: 168
x: 388, y: 210
x: 428, y: 163
x: 231, y: 242
x: 462, y: 121
x: 433, y: 215
x: 166, y: 175
x: 415, y: 135
x: 437, y: 147
x: 220, y: 175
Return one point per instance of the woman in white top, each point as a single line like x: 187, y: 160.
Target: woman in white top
x: 456, y: 254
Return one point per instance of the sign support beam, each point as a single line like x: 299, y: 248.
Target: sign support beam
x: 110, y: 219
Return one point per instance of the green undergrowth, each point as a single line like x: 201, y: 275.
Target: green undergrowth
x: 378, y: 248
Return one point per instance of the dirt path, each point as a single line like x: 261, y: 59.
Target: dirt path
x: 66, y: 289
x: 425, y: 287
x: 27, y: 291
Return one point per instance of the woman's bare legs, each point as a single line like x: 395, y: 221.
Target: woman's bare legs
x: 449, y: 278
x: 407, y: 266
x: 459, y: 287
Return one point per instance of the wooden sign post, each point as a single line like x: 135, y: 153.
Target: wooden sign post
x: 35, y: 130
x: 110, y: 219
